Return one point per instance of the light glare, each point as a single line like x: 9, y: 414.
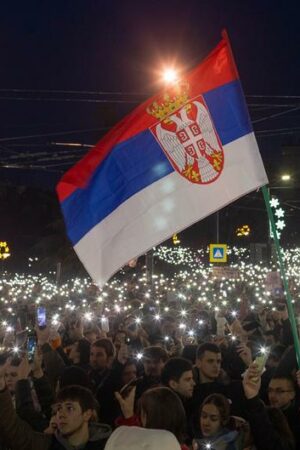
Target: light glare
x: 170, y: 75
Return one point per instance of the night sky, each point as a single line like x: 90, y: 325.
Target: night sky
x: 81, y: 48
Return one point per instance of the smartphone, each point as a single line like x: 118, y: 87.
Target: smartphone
x: 105, y: 324
x: 260, y: 361
x: 41, y: 317
x: 124, y: 391
x: 31, y: 347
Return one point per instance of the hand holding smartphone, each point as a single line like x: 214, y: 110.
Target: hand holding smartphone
x: 105, y: 324
x: 31, y: 347
x: 260, y: 362
x: 125, y: 390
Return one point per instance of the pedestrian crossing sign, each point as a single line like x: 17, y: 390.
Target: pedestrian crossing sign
x: 218, y: 253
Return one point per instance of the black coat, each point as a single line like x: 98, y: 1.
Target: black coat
x: 98, y: 436
x: 265, y: 435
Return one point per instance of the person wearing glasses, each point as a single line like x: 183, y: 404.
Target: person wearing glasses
x: 269, y: 426
x: 282, y: 392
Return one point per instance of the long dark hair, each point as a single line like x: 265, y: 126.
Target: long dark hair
x: 164, y: 411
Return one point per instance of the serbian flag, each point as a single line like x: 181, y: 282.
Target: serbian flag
x: 177, y: 158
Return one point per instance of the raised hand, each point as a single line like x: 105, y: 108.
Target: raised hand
x: 43, y: 335
x: 37, y: 363
x: 24, y: 368
x: 76, y: 332
x: 127, y: 404
x: 252, y: 381
x: 52, y: 426
x: 244, y: 353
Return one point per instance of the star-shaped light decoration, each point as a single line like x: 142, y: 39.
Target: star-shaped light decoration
x: 274, y: 202
x: 279, y: 213
x: 278, y: 233
x: 280, y: 224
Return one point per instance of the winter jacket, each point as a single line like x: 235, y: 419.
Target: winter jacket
x: 18, y: 435
x: 265, y: 435
x: 292, y: 416
x: 35, y: 414
x: 98, y: 378
x: 135, y: 438
x: 224, y: 440
x: 45, y: 394
x: 98, y: 437
x: 106, y: 394
x: 54, y: 364
x: 25, y: 407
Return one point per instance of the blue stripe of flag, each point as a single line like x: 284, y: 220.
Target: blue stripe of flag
x: 229, y: 111
x: 138, y: 162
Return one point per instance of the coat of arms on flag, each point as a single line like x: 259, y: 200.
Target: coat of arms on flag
x: 177, y: 158
x: 188, y: 136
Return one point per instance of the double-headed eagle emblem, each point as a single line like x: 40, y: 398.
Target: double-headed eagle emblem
x: 187, y: 135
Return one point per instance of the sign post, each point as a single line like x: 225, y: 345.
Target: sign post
x: 218, y: 253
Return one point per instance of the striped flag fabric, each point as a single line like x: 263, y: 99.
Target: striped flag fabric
x: 177, y: 158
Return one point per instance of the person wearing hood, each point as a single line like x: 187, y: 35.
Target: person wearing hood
x: 72, y: 424
x: 135, y: 438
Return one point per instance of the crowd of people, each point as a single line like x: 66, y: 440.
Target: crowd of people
x: 136, y: 365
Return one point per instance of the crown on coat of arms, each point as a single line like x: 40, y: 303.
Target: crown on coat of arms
x: 170, y: 101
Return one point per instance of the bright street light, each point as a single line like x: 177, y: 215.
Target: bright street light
x: 286, y: 177
x: 170, y: 75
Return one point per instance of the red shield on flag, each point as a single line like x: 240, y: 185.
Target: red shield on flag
x: 191, y: 143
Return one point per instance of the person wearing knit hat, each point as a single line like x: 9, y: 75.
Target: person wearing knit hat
x: 136, y: 438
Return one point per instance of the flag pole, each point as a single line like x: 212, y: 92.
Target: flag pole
x: 290, y: 308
